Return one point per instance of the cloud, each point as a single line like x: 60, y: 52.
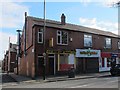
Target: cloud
x: 12, y: 14
x: 11, y: 17
x: 4, y: 40
x: 102, y: 25
x: 109, y: 3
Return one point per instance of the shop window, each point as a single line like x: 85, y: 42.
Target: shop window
x: 63, y: 59
x: 103, y: 62
x: 118, y: 44
x: 62, y: 37
x: 88, y: 40
x: 108, y: 62
x: 40, y: 36
x: 107, y: 42
x: 66, y: 61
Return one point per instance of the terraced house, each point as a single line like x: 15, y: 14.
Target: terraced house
x: 9, y: 61
x: 61, y: 45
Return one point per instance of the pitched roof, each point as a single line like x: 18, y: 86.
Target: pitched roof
x: 13, y: 48
x: 68, y: 26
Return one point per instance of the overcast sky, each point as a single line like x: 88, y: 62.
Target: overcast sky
x: 91, y: 13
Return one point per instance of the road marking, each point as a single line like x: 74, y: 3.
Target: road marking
x: 79, y: 86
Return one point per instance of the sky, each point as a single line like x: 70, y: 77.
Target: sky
x: 90, y: 13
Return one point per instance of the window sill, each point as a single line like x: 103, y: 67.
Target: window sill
x: 40, y: 42
x: 62, y: 44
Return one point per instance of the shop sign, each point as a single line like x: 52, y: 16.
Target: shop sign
x: 55, y: 51
x: 114, y: 55
x: 87, y: 53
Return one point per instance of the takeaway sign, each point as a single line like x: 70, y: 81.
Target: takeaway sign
x: 87, y: 53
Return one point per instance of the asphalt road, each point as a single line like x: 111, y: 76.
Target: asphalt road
x: 7, y: 79
x: 101, y: 82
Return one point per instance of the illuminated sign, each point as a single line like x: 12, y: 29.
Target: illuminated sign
x: 87, y: 53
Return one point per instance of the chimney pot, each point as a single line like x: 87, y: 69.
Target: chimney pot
x: 25, y: 14
x: 63, y: 19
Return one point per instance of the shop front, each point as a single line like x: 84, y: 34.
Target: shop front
x: 87, y: 60
x: 106, y: 59
x: 63, y: 61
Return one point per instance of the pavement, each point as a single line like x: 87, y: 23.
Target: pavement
x: 24, y: 79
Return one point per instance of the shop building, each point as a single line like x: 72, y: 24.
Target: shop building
x: 87, y: 60
x: 62, y: 46
x: 106, y: 59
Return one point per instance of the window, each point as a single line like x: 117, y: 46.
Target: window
x: 63, y: 59
x: 40, y: 36
x: 108, y: 62
x: 103, y: 62
x: 62, y: 37
x: 118, y: 44
x: 108, y: 42
x: 87, y: 40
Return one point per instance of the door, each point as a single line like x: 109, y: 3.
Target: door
x: 40, y: 66
x: 51, y: 65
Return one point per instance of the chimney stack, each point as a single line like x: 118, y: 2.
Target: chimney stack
x: 25, y: 33
x: 63, y: 19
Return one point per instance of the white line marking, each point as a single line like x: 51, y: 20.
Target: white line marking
x: 79, y: 86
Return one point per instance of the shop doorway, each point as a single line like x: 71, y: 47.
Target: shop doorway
x: 51, y: 64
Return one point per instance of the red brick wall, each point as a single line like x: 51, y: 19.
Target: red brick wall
x: 12, y: 59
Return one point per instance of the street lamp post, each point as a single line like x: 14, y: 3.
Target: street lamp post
x: 18, y: 48
x: 44, y: 54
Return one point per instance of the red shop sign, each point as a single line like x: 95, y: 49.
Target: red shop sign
x: 105, y: 54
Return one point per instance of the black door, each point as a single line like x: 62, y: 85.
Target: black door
x: 51, y: 65
x: 40, y: 66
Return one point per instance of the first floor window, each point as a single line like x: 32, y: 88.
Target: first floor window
x: 62, y: 37
x: 108, y: 42
x: 87, y: 40
x: 40, y: 36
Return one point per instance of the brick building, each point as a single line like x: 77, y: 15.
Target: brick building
x: 5, y: 62
x: 63, y: 45
x: 9, y: 61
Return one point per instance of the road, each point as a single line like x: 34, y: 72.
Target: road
x: 100, y: 82
x: 7, y: 79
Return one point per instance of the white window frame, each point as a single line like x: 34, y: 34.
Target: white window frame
x: 106, y: 46
x: 118, y: 44
x: 61, y: 37
x: 41, y: 34
x: 91, y: 40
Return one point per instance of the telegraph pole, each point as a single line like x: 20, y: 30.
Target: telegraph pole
x: 18, y: 50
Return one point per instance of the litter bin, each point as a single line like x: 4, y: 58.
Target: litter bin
x: 71, y: 73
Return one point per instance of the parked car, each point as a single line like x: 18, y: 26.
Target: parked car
x: 115, y: 70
